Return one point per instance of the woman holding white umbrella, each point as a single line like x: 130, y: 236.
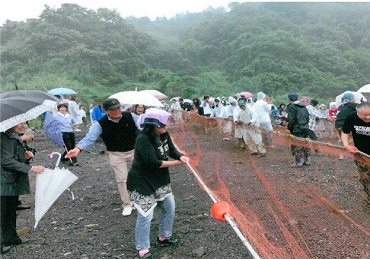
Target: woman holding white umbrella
x: 14, y: 182
x: 17, y: 107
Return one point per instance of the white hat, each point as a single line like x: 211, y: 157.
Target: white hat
x: 232, y: 100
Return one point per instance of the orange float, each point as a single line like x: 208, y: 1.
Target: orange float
x: 220, y: 209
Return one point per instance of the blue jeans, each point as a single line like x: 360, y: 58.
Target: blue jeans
x: 166, y: 219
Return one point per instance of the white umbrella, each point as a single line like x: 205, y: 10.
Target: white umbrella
x: 49, y: 186
x: 155, y: 93
x: 358, y: 97
x: 134, y: 97
x: 364, y: 89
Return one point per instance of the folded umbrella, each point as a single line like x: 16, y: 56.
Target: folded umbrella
x: 49, y: 186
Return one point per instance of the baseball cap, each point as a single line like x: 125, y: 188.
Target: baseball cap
x: 293, y: 96
x: 111, y: 104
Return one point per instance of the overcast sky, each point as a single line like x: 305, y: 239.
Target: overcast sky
x: 20, y: 10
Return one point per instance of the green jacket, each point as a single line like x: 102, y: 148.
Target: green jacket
x: 14, y: 166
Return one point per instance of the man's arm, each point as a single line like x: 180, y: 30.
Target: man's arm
x: 345, y: 140
x: 93, y: 134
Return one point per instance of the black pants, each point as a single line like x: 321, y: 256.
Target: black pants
x: 69, y: 142
x: 8, y: 227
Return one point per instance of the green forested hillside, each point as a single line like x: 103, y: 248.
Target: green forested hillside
x: 316, y: 49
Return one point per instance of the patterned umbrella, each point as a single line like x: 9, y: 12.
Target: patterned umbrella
x: 52, y: 130
x: 20, y: 106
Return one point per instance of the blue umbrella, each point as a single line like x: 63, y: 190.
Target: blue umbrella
x: 52, y: 130
x: 62, y: 91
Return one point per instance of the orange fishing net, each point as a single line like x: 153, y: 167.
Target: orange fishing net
x: 316, y: 211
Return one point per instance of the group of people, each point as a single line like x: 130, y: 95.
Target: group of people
x: 140, y: 139
x: 352, y: 120
x: 139, y: 149
x: 252, y: 122
x: 130, y: 138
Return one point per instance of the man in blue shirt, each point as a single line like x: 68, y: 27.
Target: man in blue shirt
x: 118, y: 131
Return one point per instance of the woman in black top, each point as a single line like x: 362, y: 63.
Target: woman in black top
x: 149, y: 179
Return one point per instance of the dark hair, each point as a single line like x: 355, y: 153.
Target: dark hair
x: 150, y: 131
x: 137, y: 105
x: 281, y: 104
x: 62, y: 105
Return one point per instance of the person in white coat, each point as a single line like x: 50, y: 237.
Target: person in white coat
x: 227, y: 113
x: 73, y: 108
x: 263, y: 111
x: 176, y: 111
x: 251, y: 132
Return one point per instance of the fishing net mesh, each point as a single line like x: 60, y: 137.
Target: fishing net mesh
x: 283, y: 212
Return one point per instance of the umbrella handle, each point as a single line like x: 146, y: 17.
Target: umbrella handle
x: 56, y: 153
x: 65, y: 148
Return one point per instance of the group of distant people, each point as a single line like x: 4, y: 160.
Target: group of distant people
x: 252, y: 122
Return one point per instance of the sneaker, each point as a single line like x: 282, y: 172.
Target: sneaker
x: 127, y: 211
x: 226, y: 139
x: 167, y: 242
x: 147, y: 256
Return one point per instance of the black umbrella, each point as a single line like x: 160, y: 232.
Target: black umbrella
x: 29, y: 93
x: 27, y: 105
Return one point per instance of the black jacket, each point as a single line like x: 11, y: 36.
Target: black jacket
x: 14, y: 166
x: 297, y: 118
